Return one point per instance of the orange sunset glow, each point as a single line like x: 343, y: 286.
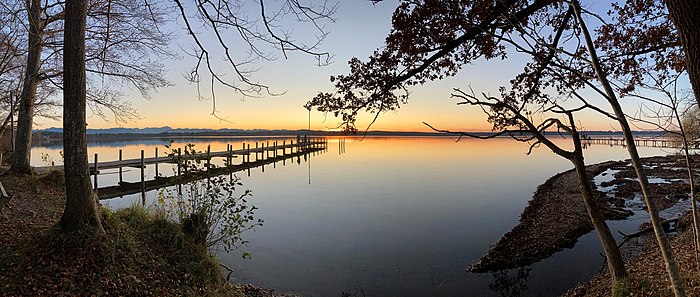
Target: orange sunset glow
x: 296, y: 79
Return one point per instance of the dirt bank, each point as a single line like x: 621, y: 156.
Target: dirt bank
x: 556, y: 216
x: 647, y: 273
x: 141, y: 255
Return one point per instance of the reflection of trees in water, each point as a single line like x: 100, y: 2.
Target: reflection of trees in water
x: 510, y: 282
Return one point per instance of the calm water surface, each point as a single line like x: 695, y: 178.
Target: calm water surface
x: 392, y: 216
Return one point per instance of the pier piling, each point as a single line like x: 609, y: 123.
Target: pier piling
x: 143, y: 180
x: 121, y: 179
x: 96, y: 171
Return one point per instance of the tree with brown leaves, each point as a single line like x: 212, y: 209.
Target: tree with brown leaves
x: 430, y: 40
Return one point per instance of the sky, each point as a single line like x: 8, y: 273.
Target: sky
x: 359, y: 29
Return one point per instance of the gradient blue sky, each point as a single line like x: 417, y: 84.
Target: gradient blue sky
x: 360, y: 29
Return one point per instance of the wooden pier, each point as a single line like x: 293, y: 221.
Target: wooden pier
x: 264, y: 153
x: 646, y: 142
x: 128, y: 188
x: 260, y: 148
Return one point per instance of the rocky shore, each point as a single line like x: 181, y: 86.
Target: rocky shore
x: 647, y: 273
x: 556, y: 216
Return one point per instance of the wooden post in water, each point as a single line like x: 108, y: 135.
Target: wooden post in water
x: 156, y: 161
x: 179, y: 161
x: 230, y: 160
x: 208, y: 158
x: 228, y: 154
x: 208, y: 163
x: 248, y: 152
x: 262, y: 155
x: 121, y: 180
x: 143, y: 181
x: 179, y: 171
x: 184, y: 162
x: 256, y: 151
x: 96, y: 171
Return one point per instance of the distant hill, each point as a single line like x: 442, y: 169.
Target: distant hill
x: 167, y: 131
x: 149, y: 130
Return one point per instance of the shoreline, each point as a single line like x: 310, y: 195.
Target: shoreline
x: 646, y: 269
x: 138, y: 257
x: 554, y: 193
x: 556, y: 216
x: 554, y: 219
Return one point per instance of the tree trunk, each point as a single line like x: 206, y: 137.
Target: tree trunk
x: 5, y: 125
x: 81, y: 201
x: 691, y: 182
x: 650, y: 201
x: 652, y: 208
x: 23, y: 140
x: 612, y: 253
x: 684, y: 14
x: 693, y: 204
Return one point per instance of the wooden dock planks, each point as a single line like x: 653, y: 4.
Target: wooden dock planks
x: 127, y: 188
x: 136, y: 163
x: 646, y: 142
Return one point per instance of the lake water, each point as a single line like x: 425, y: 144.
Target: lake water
x: 391, y: 216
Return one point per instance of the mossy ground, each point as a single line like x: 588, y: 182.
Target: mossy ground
x: 142, y: 253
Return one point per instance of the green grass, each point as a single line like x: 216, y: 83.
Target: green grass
x: 633, y: 286
x: 621, y: 288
